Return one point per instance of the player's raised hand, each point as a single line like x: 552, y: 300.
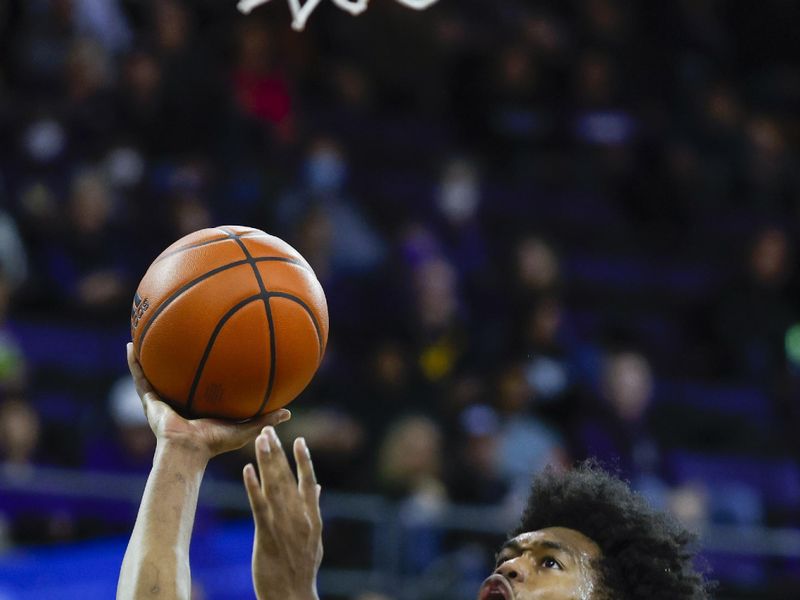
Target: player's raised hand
x: 209, y: 436
x: 287, y: 549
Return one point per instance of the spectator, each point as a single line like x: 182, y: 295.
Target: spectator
x: 188, y: 71
x: 753, y: 313
x: 104, y: 21
x: 338, y: 439
x: 261, y: 90
x: 411, y: 458
x: 140, y: 101
x: 129, y: 446
x: 322, y: 204
x: 438, y: 319
x: 622, y: 429
x: 526, y: 444
x: 87, y: 262
x: 89, y: 115
x: 552, y: 365
x: 12, y: 360
x: 474, y: 474
x: 13, y: 255
x: 411, y: 463
x: 20, y: 435
x: 458, y: 202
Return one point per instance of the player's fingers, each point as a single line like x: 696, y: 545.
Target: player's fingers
x: 277, y: 481
x: 240, y: 434
x: 307, y: 483
x: 258, y: 505
x: 271, y: 487
x: 151, y: 403
x: 262, y: 458
x: 142, y: 385
x: 271, y: 419
x: 306, y: 478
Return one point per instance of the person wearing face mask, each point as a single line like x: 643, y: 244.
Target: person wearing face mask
x: 326, y: 223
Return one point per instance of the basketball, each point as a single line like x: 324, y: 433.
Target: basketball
x: 229, y: 322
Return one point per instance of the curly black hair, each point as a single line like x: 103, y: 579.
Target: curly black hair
x: 645, y: 553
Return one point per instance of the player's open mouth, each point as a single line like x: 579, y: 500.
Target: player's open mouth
x: 496, y: 588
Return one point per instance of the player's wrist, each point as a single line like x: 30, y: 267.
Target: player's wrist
x: 186, y: 450
x: 308, y: 595
x: 312, y: 595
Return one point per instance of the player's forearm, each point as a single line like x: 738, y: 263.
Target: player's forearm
x: 306, y: 596
x: 156, y: 563
x: 306, y: 593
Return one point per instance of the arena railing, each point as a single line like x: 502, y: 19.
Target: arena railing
x: 382, y: 516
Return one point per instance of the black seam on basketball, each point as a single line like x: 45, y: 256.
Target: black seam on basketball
x: 207, y: 352
x: 182, y: 290
x: 186, y: 287
x: 270, y: 321
x: 191, y: 247
x: 291, y: 261
x: 307, y: 308
x: 298, y: 263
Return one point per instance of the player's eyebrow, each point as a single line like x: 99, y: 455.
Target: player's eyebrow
x: 549, y: 544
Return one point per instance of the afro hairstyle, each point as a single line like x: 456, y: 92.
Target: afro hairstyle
x: 646, y: 555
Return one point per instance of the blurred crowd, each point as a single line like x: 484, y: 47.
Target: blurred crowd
x: 546, y: 230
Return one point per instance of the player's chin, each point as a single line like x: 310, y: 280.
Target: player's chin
x: 496, y: 587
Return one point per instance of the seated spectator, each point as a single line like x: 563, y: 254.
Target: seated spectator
x: 621, y: 429
x: 754, y: 312
x: 438, y: 318
x: 20, y: 435
x: 13, y: 255
x: 390, y: 386
x: 550, y: 367
x: 768, y: 169
x: 12, y: 360
x: 321, y: 198
x: 538, y: 269
x: 21, y: 450
x: 89, y: 115
x: 410, y: 459
x: 261, y: 89
x: 474, y: 476
x: 87, y: 263
x: 337, y: 438
x: 129, y: 445
x: 411, y: 462
x: 140, y: 101
x: 526, y: 443
x: 460, y: 228
x: 187, y: 70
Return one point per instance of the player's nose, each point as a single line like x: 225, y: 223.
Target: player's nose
x: 513, y: 570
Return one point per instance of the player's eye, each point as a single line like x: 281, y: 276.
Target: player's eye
x: 548, y: 562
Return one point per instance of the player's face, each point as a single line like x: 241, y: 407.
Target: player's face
x: 550, y: 564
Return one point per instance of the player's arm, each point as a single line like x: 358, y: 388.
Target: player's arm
x: 156, y: 563
x: 287, y: 549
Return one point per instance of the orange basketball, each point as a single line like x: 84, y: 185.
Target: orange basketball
x: 229, y: 322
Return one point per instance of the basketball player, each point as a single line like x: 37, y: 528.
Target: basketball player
x: 583, y: 536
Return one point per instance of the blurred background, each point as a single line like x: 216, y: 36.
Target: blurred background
x: 547, y: 230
